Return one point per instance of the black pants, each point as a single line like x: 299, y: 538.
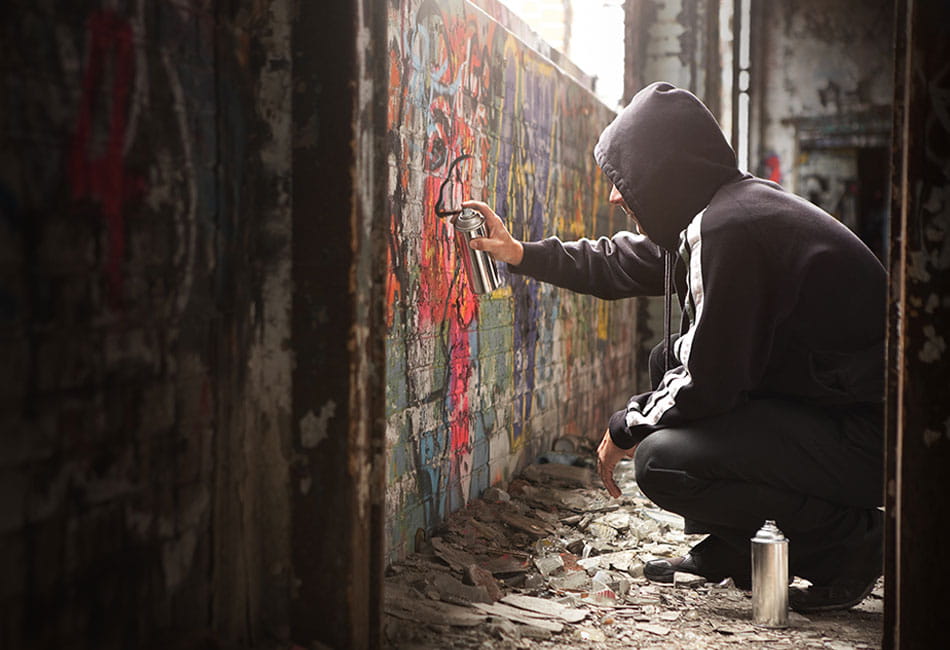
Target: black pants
x: 818, y: 472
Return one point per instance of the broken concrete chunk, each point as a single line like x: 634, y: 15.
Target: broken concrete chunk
x: 652, y: 628
x: 524, y: 524
x: 453, y: 591
x: 600, y: 594
x: 663, y: 517
x: 601, y: 531
x: 682, y: 579
x: 520, y: 616
x: 549, y: 565
x: 545, y: 607
x: 397, y: 603
x: 617, y: 520
x: 573, y: 581
x: 591, y: 634
x: 577, y: 546
x: 504, y: 565
x: 454, y: 557
x: 496, y: 495
x: 479, y: 577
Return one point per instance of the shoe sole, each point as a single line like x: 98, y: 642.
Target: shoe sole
x: 832, y: 607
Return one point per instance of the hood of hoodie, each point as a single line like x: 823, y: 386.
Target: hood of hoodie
x: 667, y: 157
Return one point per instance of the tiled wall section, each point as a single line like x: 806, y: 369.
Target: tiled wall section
x: 479, y: 386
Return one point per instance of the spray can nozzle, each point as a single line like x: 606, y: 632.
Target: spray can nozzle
x: 440, y: 210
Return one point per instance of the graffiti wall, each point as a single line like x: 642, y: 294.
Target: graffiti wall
x: 478, y: 386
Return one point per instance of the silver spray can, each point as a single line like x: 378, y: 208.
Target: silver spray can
x: 770, y: 577
x: 479, y: 266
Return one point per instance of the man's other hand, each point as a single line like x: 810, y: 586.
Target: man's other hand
x: 608, y: 455
x: 499, y: 243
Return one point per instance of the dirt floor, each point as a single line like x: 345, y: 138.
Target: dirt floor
x: 556, y: 563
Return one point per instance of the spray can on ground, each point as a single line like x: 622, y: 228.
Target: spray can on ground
x: 770, y: 577
x: 479, y: 265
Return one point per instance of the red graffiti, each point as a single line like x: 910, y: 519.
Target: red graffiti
x: 103, y: 177
x: 773, y: 168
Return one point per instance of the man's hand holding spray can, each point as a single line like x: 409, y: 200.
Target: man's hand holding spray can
x: 480, y: 236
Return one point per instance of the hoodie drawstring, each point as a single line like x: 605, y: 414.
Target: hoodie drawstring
x: 668, y: 309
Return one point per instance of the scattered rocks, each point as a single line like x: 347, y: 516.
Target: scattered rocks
x: 554, y: 562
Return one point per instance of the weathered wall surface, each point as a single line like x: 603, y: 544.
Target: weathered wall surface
x: 144, y: 301
x: 477, y: 387
x: 819, y: 69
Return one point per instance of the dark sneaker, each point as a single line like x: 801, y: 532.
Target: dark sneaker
x: 856, y: 570
x: 843, y: 593
x: 711, y: 559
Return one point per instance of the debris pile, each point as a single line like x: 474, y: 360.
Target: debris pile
x: 555, y: 562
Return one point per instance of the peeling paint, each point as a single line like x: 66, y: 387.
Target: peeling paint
x: 933, y: 347
x: 313, y: 428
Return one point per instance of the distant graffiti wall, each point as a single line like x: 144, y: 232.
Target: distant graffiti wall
x: 479, y: 386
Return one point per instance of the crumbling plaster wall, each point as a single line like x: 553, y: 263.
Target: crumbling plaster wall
x: 478, y: 386
x: 144, y: 301
x: 816, y: 59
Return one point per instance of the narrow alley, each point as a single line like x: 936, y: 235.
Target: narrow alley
x: 260, y: 395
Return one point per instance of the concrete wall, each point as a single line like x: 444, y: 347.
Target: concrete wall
x: 819, y: 69
x: 477, y: 387
x: 144, y: 303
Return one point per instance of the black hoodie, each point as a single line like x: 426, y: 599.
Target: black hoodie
x: 779, y: 298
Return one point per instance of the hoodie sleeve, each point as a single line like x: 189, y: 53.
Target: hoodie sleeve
x: 732, y: 313
x: 622, y: 266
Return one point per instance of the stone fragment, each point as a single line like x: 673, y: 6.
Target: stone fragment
x: 398, y: 604
x: 600, y: 594
x: 454, y: 557
x: 683, y: 579
x: 524, y: 524
x: 534, y: 582
x: 453, y: 591
x: 663, y: 517
x: 591, y: 635
x: 573, y: 581
x: 521, y: 616
x: 570, y: 562
x: 577, y: 546
x: 653, y: 628
x: 617, y: 520
x: 496, y: 495
x: 504, y: 565
x: 549, y: 565
x: 477, y: 576
x: 592, y: 564
x: 602, y: 531
x: 545, y: 607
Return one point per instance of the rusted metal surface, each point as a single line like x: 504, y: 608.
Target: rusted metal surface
x: 918, y: 391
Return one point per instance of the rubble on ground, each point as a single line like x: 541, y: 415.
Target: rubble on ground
x: 554, y: 562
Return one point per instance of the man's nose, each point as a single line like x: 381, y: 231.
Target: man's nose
x: 615, y: 196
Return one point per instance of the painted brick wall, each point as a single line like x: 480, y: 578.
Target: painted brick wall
x: 477, y: 387
x: 144, y: 232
